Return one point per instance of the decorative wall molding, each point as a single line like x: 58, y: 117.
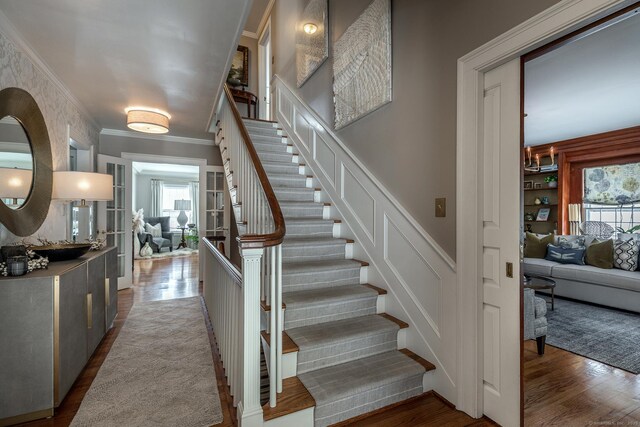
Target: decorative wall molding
x: 250, y: 34
x: 153, y: 137
x: 419, y: 275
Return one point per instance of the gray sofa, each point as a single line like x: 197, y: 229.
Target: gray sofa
x: 611, y: 287
x: 535, y: 319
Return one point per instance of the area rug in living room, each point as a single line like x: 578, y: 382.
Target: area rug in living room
x: 606, y: 335
x: 159, y: 371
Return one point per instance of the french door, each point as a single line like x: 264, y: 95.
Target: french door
x: 114, y: 217
x: 500, y: 207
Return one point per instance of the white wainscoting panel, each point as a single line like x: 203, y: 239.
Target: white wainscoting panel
x: 418, y: 274
x: 325, y: 158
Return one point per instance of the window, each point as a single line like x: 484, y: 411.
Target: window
x: 171, y: 193
x: 623, y: 216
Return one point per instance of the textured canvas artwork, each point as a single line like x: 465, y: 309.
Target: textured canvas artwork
x: 362, y: 65
x: 311, y: 49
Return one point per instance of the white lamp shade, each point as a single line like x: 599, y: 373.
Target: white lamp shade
x: 182, y: 205
x: 15, y: 183
x: 69, y: 185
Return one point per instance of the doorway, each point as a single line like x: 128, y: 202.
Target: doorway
x: 473, y: 260
x: 264, y: 71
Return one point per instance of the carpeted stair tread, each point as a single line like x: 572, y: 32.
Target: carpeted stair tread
x: 297, y: 276
x: 294, y: 194
x: 278, y: 180
x: 342, y: 341
x: 267, y: 146
x: 353, y: 388
x: 311, y: 248
x: 302, y: 241
x: 301, y: 209
x: 275, y: 156
x: 309, y: 227
x: 315, y: 306
x: 346, y: 330
x: 279, y: 168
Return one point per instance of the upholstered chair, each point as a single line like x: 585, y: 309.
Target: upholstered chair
x: 535, y: 319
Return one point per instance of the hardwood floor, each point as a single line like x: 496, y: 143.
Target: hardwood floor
x: 560, y: 388
x: 564, y: 389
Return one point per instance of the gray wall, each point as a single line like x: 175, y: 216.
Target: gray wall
x: 116, y: 145
x: 409, y: 144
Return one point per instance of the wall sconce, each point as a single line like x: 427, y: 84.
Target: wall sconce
x: 310, y: 28
x: 147, y: 120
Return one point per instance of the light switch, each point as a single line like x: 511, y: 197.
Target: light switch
x: 441, y: 207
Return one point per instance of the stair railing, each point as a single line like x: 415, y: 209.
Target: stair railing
x: 233, y: 298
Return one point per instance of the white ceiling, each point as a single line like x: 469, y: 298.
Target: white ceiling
x: 167, y: 170
x: 111, y: 54
x: 589, y: 86
x: 256, y: 16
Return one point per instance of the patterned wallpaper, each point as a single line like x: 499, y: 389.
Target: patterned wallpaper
x: 17, y: 70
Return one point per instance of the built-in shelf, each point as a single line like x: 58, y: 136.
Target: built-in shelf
x: 531, y: 222
x: 529, y: 173
x: 542, y: 189
x: 542, y: 205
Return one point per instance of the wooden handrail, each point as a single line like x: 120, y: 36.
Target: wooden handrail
x: 226, y: 263
x: 258, y: 240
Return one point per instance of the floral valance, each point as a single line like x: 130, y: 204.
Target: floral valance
x: 612, y: 185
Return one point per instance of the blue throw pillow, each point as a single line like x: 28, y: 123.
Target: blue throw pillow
x: 565, y: 255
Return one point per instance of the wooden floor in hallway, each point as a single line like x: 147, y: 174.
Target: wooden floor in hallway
x: 561, y: 388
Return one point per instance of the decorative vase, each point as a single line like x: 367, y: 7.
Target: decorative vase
x: 146, y: 250
x: 553, y: 184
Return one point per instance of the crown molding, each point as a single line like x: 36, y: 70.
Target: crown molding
x: 152, y: 137
x: 250, y: 34
x: 8, y: 30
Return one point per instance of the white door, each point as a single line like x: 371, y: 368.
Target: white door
x: 114, y: 217
x: 501, y: 244
x: 264, y: 71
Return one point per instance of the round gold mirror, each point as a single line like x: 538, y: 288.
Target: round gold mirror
x: 16, y: 163
x: 25, y: 163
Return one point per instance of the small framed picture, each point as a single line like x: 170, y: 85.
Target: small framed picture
x: 528, y: 185
x: 537, y: 185
x: 543, y: 214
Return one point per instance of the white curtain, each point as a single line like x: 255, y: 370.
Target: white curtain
x: 156, y: 197
x: 194, y: 192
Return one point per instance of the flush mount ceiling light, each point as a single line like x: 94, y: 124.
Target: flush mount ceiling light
x: 147, y: 120
x: 310, y: 28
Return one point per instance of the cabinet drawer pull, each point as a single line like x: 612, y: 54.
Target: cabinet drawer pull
x: 89, y: 310
x: 106, y: 292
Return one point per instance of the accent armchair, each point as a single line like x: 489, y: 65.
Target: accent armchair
x: 535, y: 319
x: 157, y: 243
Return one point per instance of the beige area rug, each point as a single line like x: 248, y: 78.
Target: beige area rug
x: 159, y: 371
x: 166, y: 254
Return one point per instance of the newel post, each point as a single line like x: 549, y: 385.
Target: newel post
x: 249, y: 409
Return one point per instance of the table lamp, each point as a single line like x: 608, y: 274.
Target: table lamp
x: 15, y: 184
x: 83, y: 186
x: 182, y: 205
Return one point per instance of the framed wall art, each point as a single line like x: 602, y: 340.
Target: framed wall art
x: 362, y: 65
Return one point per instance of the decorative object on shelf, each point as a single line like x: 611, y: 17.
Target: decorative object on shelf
x: 537, y: 201
x: 182, y: 206
x: 552, y: 181
x: 528, y: 185
x: 543, y: 214
x: 17, y: 265
x: 312, y: 40
x: 239, y: 72
x: 529, y: 216
x: 146, y: 250
x: 538, y: 161
x: 552, y: 155
x: 529, y: 156
x: 362, y: 65
x: 147, y: 120
x: 528, y: 228
x: 62, y: 251
x: 537, y: 185
x: 545, y: 200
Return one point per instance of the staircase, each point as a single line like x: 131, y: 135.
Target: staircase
x: 347, y: 350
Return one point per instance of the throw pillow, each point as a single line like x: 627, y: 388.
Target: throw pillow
x: 625, y: 255
x: 154, y: 230
x: 565, y: 255
x: 536, y: 247
x: 571, y: 242
x: 600, y: 254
